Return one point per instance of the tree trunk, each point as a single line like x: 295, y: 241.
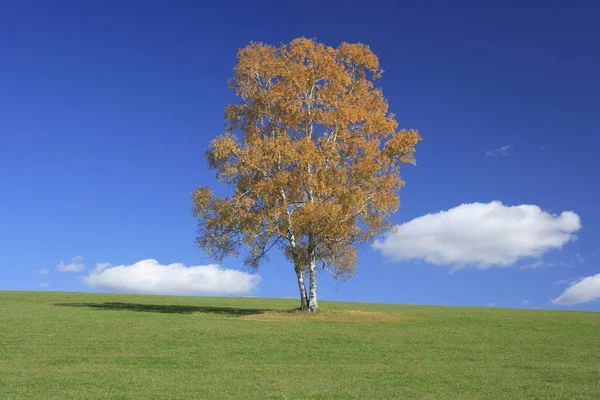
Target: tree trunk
x: 303, y: 298
x: 313, y: 307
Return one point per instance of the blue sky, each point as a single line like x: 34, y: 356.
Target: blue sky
x: 106, y: 109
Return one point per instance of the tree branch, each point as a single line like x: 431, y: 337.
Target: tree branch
x: 335, y: 275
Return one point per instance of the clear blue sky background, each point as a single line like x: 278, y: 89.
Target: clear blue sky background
x: 106, y: 109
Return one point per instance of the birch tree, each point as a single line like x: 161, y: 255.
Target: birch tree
x: 312, y: 156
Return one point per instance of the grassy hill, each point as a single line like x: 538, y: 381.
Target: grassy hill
x: 100, y: 346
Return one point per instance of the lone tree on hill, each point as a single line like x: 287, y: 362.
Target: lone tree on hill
x: 313, y: 157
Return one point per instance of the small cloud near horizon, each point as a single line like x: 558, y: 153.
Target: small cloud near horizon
x: 151, y: 277
x: 501, y: 151
x: 44, y: 284
x: 581, y: 291
x: 43, y: 271
x: 74, y: 265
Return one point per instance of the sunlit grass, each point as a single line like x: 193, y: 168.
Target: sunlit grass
x: 103, y: 346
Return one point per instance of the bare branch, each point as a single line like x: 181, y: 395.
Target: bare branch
x: 336, y: 275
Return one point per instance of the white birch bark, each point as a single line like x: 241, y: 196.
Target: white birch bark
x: 303, y: 298
x: 313, y: 307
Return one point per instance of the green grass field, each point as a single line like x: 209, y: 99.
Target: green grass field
x: 101, y: 346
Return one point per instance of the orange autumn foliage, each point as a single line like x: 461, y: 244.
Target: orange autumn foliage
x: 312, y: 154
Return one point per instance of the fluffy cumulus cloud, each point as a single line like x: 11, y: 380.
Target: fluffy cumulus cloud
x: 148, y: 276
x: 74, y: 265
x: 480, y: 235
x: 581, y: 291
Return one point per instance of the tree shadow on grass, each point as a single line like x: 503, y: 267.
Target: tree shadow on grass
x: 167, y: 309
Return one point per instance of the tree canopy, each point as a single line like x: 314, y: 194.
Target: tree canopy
x: 312, y: 155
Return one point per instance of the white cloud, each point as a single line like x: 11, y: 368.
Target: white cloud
x: 480, y: 235
x: 537, y: 264
x: 581, y: 291
x: 579, y: 258
x: 148, y: 276
x: 541, y: 263
x: 102, y: 266
x: 501, y: 151
x: 525, y: 302
x: 492, y: 304
x: 43, y: 271
x: 74, y: 265
x: 568, y: 281
x: 43, y: 284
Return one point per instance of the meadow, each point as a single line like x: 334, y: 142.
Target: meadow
x: 110, y: 346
